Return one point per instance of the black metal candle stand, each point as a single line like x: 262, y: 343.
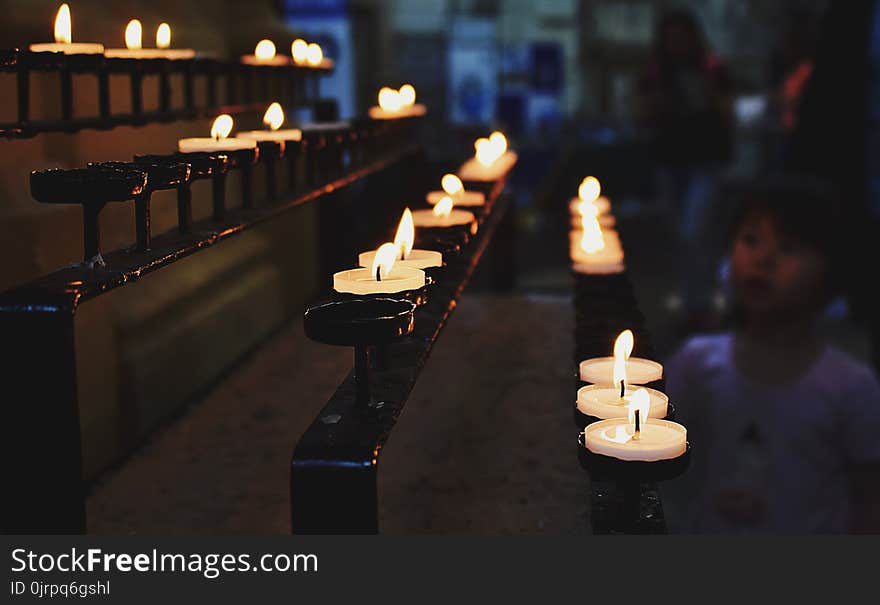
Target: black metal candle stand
x: 360, y: 323
x: 220, y: 77
x: 92, y: 188
x: 632, y: 479
x: 460, y: 234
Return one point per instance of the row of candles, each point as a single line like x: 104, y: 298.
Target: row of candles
x: 626, y: 420
x: 397, y: 266
x: 301, y: 52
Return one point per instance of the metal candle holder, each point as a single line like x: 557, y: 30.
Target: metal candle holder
x: 360, y: 323
x: 92, y: 188
x: 630, y: 476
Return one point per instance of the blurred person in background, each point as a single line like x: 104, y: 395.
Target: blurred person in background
x: 786, y: 425
x: 685, y: 105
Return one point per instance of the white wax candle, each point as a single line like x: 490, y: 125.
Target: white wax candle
x: 68, y: 48
x: 465, y: 198
x: 363, y: 281
x: 208, y: 144
x: 602, y: 204
x: 407, y: 111
x: 600, y: 370
x: 419, y: 259
x: 606, y: 221
x: 608, y: 260
x: 285, y: 134
x: 472, y: 170
x: 602, y: 401
x: 455, y: 218
x: 658, y: 439
x: 274, y: 60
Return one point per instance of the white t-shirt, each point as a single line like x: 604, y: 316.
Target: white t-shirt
x: 791, y: 445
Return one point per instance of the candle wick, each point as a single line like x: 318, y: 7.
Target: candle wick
x: 637, y: 434
x: 379, y: 273
x: 622, y: 390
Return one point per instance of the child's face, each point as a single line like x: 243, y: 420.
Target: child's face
x: 775, y: 274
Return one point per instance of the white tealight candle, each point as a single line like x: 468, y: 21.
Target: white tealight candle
x: 606, y: 221
x: 601, y: 401
x: 264, y: 54
x: 635, y: 436
x: 418, y: 259
x: 273, y: 119
x: 473, y: 170
x: 443, y: 215
x: 64, y: 38
x: 403, y: 243
x: 395, y: 104
x: 163, y: 45
x: 601, y: 204
x: 218, y: 141
x: 385, y: 276
x: 454, y: 188
x: 133, y: 44
x: 591, y: 255
x: 621, y: 367
x: 600, y: 370
x: 657, y: 440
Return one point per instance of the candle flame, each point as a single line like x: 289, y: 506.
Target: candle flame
x: 222, y: 126
x: 315, y: 54
x: 63, y: 34
x: 389, y: 99
x: 587, y: 209
x: 299, y: 50
x: 641, y: 401
x: 163, y: 36
x: 485, y: 152
x: 589, y: 189
x: 592, y: 240
x: 444, y: 206
x: 134, y: 32
x: 407, y: 95
x: 623, y: 348
x: 499, y: 142
x: 406, y: 234
x: 274, y: 116
x: 451, y: 184
x: 384, y: 260
x: 265, y: 50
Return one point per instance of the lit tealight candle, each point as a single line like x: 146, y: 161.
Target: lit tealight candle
x: 636, y: 437
x: 264, y: 54
x: 134, y: 32
x: 611, y: 370
x: 406, y: 254
x: 454, y: 188
x: 64, y: 38
x: 385, y: 275
x: 443, y: 215
x: 491, y: 161
x: 591, y: 253
x: 395, y: 104
x: 299, y: 50
x: 601, y: 205
x: 163, y: 45
x: 273, y: 119
x: 219, y: 140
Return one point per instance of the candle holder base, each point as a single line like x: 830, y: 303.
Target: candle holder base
x: 359, y: 321
x: 607, y: 468
x: 419, y: 296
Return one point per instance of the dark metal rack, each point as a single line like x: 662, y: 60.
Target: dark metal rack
x: 41, y: 428
x: 604, y: 307
x: 243, y: 88
x: 334, y: 468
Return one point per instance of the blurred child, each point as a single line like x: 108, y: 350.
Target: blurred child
x: 785, y: 429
